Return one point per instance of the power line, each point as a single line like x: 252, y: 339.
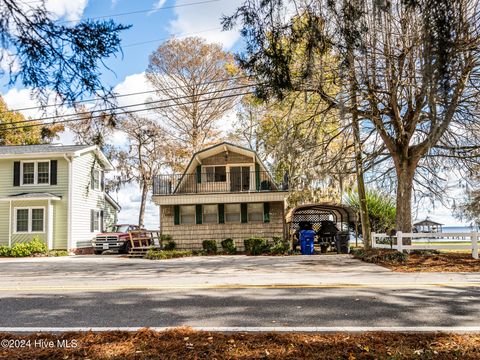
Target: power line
x: 169, y: 37
x: 130, y: 94
x: 139, y: 11
x: 128, y: 112
x: 132, y: 105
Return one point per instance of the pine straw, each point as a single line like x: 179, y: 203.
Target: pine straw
x: 443, y: 262
x: 183, y: 343
x: 419, y: 261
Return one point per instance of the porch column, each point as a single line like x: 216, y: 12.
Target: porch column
x: 10, y: 223
x: 50, y: 225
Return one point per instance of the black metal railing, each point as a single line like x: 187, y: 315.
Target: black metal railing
x: 234, y: 181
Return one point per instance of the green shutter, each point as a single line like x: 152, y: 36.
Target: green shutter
x: 244, y: 213
x: 198, y: 214
x: 199, y: 174
x: 221, y: 213
x: 257, y: 176
x: 266, y: 212
x: 176, y: 217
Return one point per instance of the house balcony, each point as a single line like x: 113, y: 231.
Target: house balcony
x: 216, y: 183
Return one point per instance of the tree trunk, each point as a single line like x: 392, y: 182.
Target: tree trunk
x: 405, y: 173
x: 362, y: 198
x: 141, y: 215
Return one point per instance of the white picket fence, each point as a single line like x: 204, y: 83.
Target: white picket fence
x: 435, y: 245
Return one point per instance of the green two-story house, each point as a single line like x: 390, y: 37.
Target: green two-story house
x: 56, y: 193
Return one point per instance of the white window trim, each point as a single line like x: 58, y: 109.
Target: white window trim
x: 99, y: 221
x: 29, y: 208
x: 35, y: 172
x: 99, y: 188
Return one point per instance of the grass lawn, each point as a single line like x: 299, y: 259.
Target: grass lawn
x: 445, y: 261
x: 184, y: 343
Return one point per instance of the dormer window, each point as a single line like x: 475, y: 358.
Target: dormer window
x: 35, y: 172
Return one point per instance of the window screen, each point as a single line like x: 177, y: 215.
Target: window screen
x: 187, y: 214
x: 232, y: 213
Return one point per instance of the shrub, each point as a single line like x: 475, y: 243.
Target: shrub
x: 170, y: 245
x: 165, y: 237
x: 20, y: 250
x: 376, y: 256
x: 381, y: 208
x: 279, y: 246
x: 5, y: 251
x: 58, y: 253
x: 256, y: 246
x: 210, y: 246
x: 37, y: 246
x: 153, y: 254
x: 228, y: 246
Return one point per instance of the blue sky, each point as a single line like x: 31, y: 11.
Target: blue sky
x: 153, y: 21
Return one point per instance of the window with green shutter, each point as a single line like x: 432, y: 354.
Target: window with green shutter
x: 266, y: 212
x: 244, y: 213
x: 198, y: 211
x: 176, y: 216
x: 221, y: 213
x: 199, y: 174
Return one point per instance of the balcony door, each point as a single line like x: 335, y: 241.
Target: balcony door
x: 239, y: 178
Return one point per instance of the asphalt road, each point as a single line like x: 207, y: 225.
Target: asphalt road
x: 244, y: 307
x: 317, y: 291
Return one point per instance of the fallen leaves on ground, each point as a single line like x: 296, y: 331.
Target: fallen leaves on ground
x: 184, y: 343
x: 443, y: 262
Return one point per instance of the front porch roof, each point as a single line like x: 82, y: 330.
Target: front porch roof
x: 31, y: 196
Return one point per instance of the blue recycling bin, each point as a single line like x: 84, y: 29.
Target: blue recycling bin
x: 306, y: 241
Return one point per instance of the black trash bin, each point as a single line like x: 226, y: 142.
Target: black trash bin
x: 342, y: 242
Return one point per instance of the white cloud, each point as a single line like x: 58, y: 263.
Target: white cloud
x: 71, y: 10
x: 135, y: 83
x: 157, y: 6
x: 130, y: 203
x: 19, y: 99
x: 190, y: 19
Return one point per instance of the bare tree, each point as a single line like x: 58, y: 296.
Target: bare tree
x: 408, y: 73
x: 200, y: 81
x: 91, y: 128
x: 143, y: 158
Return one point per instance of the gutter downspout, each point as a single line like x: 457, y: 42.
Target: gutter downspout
x: 69, y: 205
x: 10, y: 223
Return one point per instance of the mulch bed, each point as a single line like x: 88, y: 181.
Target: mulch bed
x: 184, y: 343
x: 443, y: 262
x: 422, y: 261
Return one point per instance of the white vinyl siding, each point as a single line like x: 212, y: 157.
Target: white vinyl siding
x: 84, y: 199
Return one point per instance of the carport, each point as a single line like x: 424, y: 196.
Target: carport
x: 342, y: 215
